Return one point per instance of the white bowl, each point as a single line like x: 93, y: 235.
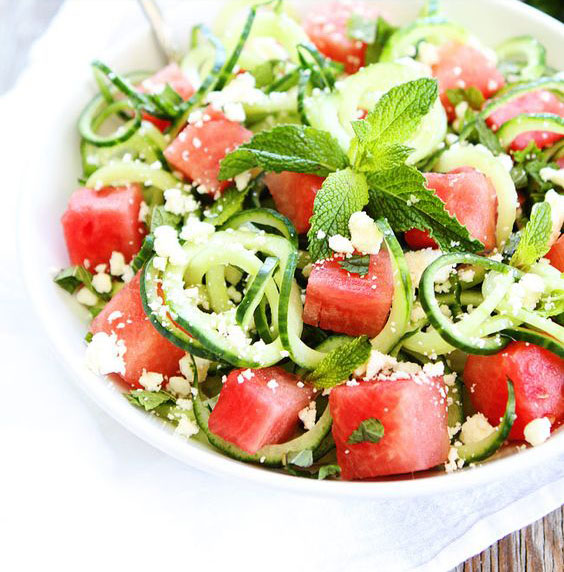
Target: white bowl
x: 49, y: 183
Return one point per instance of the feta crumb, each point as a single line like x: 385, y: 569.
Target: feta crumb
x: 340, y: 244
x: 378, y: 362
x: 86, y: 297
x: 307, y: 416
x: 100, y: 268
x: 466, y: 274
x: 537, y: 431
x: 167, y: 245
x: 434, y: 369
x: 555, y: 176
x: 418, y: 260
x: 234, y: 111
x: 320, y: 235
x: 117, y: 264
x: 179, y: 385
x: 366, y: 237
x: 102, y: 283
x: 272, y: 384
x: 475, y: 428
x: 186, y: 428
x: 184, y: 404
x: 114, y: 316
x: 159, y: 262
x: 196, y: 231
x: 178, y: 202
x: 151, y: 380
x: 143, y: 212
x: 104, y: 354
x: 242, y: 180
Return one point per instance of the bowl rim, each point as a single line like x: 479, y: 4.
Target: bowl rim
x: 103, y: 392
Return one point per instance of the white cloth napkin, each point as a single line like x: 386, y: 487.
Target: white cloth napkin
x: 78, y: 492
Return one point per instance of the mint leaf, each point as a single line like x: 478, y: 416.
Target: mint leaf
x: 477, y: 131
x: 394, y: 119
x: 149, y: 400
x: 361, y: 28
x: 534, y: 238
x: 370, y: 430
x: 337, y: 366
x: 342, y: 194
x: 356, y: 264
x: 302, y: 458
x: 230, y: 202
x: 400, y: 195
x: 383, y: 32
x: 160, y: 217
x: 286, y: 148
x: 70, y: 279
x: 472, y: 95
x: 326, y: 471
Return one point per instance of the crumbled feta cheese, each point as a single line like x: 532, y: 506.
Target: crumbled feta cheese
x: 427, y: 53
x: 417, y: 313
x: 184, y: 404
x: 102, y: 283
x: 242, y: 180
x: 537, y: 431
x: 143, y: 212
x: 307, y: 416
x: 196, y: 231
x: 179, y: 203
x: 167, y: 245
x: 242, y: 89
x: 104, y: 354
x: 378, y: 362
x: 100, y: 268
x: 418, y: 260
x: 556, y: 203
x: 114, y: 316
x: 117, y: 264
x: 179, y: 385
x: 366, y: 237
x: 159, y: 262
x: 475, y: 429
x: 202, y: 366
x: 434, y: 369
x: 340, y: 244
x: 453, y: 462
x: 506, y: 161
x: 466, y: 274
x: 151, y: 380
x: 186, y: 428
x: 320, y: 235
x: 272, y: 384
x: 526, y: 293
x: 555, y: 176
x: 86, y: 297
x: 234, y: 112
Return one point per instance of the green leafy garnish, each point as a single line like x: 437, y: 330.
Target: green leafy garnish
x: 528, y: 164
x: 342, y: 194
x: 400, y: 195
x: 393, y: 120
x: 149, y: 400
x: 356, y: 264
x: 477, y: 131
x: 286, y: 148
x: 70, y: 279
x: 338, y: 365
x: 302, y: 458
x: 160, y: 217
x: 326, y: 471
x: 471, y: 95
x: 370, y: 430
x: 535, y: 237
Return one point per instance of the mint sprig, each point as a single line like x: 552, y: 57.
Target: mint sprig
x: 286, y: 148
x: 370, y: 430
x: 342, y: 194
x: 337, y: 366
x: 535, y: 237
x: 356, y: 264
x: 400, y: 195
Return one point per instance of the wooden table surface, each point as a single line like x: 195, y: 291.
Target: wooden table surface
x: 537, y: 548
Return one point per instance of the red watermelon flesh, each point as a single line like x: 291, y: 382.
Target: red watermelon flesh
x: 556, y: 254
x: 173, y: 75
x: 146, y: 348
x: 294, y: 194
x: 348, y: 303
x: 540, y: 101
x: 463, y: 66
x: 538, y: 379
x: 200, y: 146
x: 328, y: 30
x: 412, y: 410
x: 259, y: 407
x: 470, y: 197
x: 97, y: 223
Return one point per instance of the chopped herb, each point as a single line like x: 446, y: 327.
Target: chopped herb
x: 370, y: 430
x: 356, y: 264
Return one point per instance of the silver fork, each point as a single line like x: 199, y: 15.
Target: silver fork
x: 161, y: 30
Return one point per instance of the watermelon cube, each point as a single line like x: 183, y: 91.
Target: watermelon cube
x: 293, y: 195
x: 348, y: 303
x: 146, y: 349
x: 412, y: 410
x: 471, y: 198
x: 201, y: 145
x: 539, y: 101
x: 259, y: 407
x: 556, y: 254
x: 173, y: 75
x: 97, y: 223
x: 463, y: 66
x: 538, y: 379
